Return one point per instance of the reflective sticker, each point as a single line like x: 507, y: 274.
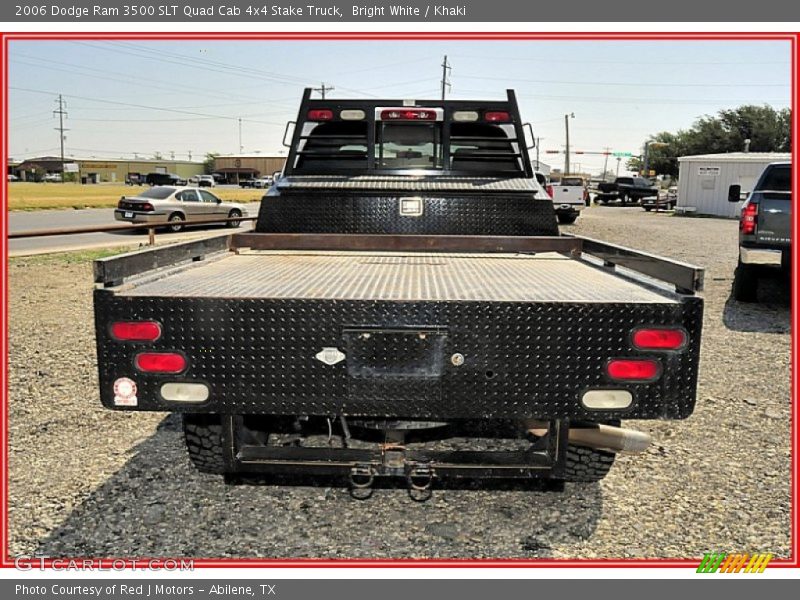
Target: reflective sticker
x: 330, y: 356
x: 125, y: 392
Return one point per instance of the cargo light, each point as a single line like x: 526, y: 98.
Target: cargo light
x: 659, y: 339
x: 636, y: 369
x: 465, y: 116
x: 320, y: 114
x: 136, y: 331
x: 160, y: 362
x: 408, y: 114
x: 549, y: 190
x: 352, y: 115
x: 747, y: 224
x: 184, y: 392
x: 497, y: 116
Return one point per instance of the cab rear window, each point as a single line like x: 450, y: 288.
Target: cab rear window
x: 777, y: 179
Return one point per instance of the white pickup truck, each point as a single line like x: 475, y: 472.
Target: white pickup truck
x: 569, y: 198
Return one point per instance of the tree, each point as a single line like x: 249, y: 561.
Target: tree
x: 768, y: 130
x: 208, y: 163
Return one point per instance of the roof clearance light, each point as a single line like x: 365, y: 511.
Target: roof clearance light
x: 408, y: 114
x: 659, y: 339
x: 464, y: 116
x: 633, y: 369
x: 352, y: 115
x: 160, y: 362
x: 497, y: 116
x: 136, y: 331
x: 320, y: 114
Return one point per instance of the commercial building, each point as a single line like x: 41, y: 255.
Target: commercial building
x: 704, y: 179
x: 235, y: 167
x: 103, y: 170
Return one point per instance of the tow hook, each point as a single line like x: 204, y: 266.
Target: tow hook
x: 420, y: 483
x: 361, y: 479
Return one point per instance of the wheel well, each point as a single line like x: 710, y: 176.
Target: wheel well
x: 233, y: 210
x: 177, y: 212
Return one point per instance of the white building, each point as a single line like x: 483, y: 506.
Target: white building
x: 704, y: 179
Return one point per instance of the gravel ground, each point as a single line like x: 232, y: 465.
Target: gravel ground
x: 86, y: 481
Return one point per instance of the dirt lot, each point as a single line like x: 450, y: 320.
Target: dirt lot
x: 86, y: 481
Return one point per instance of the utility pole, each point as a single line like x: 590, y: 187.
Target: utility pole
x: 567, y: 117
x: 618, y: 159
x: 241, y: 148
x: 172, y: 154
x: 323, y: 89
x: 446, y: 68
x: 190, y: 155
x: 61, y: 114
x: 538, y: 141
x: 607, y: 151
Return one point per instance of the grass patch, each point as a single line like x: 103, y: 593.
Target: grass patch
x: 38, y: 196
x: 67, y: 258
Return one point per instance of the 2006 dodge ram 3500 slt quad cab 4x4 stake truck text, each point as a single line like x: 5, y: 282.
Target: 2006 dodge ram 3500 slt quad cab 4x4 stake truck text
x: 405, y: 306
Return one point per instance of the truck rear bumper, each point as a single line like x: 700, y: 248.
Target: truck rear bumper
x: 427, y: 337
x: 760, y: 256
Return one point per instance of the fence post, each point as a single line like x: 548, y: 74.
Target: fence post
x: 151, y: 236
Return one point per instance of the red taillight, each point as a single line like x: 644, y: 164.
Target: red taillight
x: 497, y: 116
x: 549, y: 189
x: 160, y: 362
x: 747, y: 224
x: 147, y: 207
x: 659, y: 339
x: 320, y: 114
x: 633, y: 369
x: 136, y: 331
x: 408, y: 114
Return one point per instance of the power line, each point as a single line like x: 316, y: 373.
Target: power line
x: 144, y: 106
x: 637, y: 84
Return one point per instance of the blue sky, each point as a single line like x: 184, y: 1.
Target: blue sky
x: 620, y: 92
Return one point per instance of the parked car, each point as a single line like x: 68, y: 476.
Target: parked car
x: 662, y: 201
x: 625, y: 189
x: 569, y: 198
x: 12, y: 177
x: 206, y: 181
x: 165, y: 179
x: 247, y: 183
x: 175, y: 207
x: 52, y: 178
x: 135, y: 179
x: 765, y: 227
x: 263, y: 182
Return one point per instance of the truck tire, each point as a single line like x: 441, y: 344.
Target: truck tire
x: 567, y: 219
x: 203, y: 435
x: 585, y: 465
x: 745, y: 283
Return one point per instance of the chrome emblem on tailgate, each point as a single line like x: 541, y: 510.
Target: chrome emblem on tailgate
x: 330, y: 356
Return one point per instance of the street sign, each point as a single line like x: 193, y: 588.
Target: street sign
x: 622, y: 154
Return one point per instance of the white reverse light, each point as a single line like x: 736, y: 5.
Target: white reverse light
x: 185, y: 392
x: 607, y: 399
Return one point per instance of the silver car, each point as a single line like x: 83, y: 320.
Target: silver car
x: 176, y: 207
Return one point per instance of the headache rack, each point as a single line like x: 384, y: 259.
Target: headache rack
x: 467, y: 138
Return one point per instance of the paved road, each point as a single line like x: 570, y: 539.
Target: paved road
x: 89, y: 217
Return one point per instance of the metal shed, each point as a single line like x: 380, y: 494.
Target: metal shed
x: 704, y: 179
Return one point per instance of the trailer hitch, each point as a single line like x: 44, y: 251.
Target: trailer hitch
x: 361, y: 479
x: 420, y: 482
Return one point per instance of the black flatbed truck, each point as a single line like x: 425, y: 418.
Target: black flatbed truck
x: 405, y: 306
